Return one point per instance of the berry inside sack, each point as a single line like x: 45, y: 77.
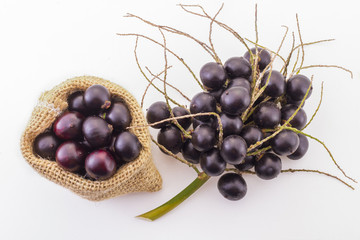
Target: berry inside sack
x: 79, y: 137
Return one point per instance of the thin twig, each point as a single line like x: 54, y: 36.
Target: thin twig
x: 327, y: 149
x: 149, y: 84
x: 218, y: 60
x: 143, y: 73
x: 167, y: 49
x: 318, y: 107
x: 325, y: 66
x: 301, y: 42
x: 319, y: 172
x: 174, y: 156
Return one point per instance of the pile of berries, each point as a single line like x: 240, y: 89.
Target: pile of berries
x: 229, y: 90
x: 90, y: 137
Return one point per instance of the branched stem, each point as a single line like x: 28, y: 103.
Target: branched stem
x: 167, y: 49
x: 324, y: 66
x: 149, y: 84
x: 319, y: 172
x: 326, y: 148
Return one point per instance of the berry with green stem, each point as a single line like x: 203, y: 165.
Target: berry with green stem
x: 235, y: 100
x: 157, y: 111
x: 267, y: 115
x: 297, y: 86
x: 233, y: 149
x: 299, y: 120
x: 203, y: 138
x: 171, y: 138
x: 275, y: 83
x: 264, y: 57
x: 285, y: 143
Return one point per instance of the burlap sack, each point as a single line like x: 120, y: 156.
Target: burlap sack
x: 137, y: 176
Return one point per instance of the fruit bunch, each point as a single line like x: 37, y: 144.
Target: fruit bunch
x: 90, y: 138
x: 228, y: 94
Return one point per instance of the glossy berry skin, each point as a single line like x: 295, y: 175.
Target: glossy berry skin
x: 232, y: 186
x: 157, y: 112
x: 276, y: 83
x: 235, y: 100
x: 240, y: 82
x: 300, y: 119
x: 71, y: 156
x: 76, y: 103
x: 97, y: 131
x: 247, y: 164
x: 203, y: 138
x: 100, y: 165
x: 285, y: 143
x: 171, y: 138
x: 217, y: 93
x: 237, y: 67
x: 233, y: 149
x: 68, y: 126
x: 202, y: 103
x: 190, y: 153
x: 297, y: 86
x: 268, y: 166
x: 45, y: 145
x: 267, y: 115
x: 97, y: 98
x: 232, y: 125
x: 211, y: 122
x: 251, y: 135
x: 127, y: 146
x: 118, y: 115
x: 212, y: 76
x: 180, y: 111
x: 212, y: 163
x: 264, y: 57
x: 302, y: 149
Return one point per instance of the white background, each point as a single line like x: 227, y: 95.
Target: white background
x: 45, y: 42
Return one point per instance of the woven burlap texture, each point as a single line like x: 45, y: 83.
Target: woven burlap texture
x: 138, y: 176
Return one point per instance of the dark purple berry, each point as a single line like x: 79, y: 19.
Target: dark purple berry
x: 240, y: 82
x: 235, y: 100
x: 233, y: 149
x: 232, y: 186
x: 203, y: 138
x: 237, y: 67
x: 232, y: 125
x: 76, y: 103
x: 68, y: 126
x: 212, y: 163
x: 97, y: 98
x: 190, y: 153
x: 247, y: 164
x: 184, y: 122
x: 46, y: 144
x: 302, y: 149
x: 71, y: 156
x: 127, y: 146
x: 157, y: 112
x: 285, y: 143
x: 268, y: 166
x: 299, y: 120
x: 118, y: 115
x: 100, y: 165
x: 275, y: 83
x: 203, y: 103
x: 251, y: 135
x: 97, y: 131
x: 297, y: 86
x: 171, y: 138
x: 212, y: 76
x: 267, y: 115
x: 264, y: 57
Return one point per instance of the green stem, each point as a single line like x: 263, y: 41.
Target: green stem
x: 175, y: 201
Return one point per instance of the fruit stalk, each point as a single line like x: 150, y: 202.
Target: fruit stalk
x: 177, y: 200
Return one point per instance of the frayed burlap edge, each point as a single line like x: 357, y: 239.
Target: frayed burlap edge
x: 137, y: 176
